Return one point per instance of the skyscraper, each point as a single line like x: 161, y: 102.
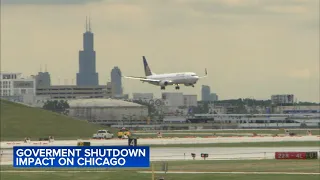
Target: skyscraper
x: 214, y: 97
x: 205, y: 93
x: 43, y: 79
x: 116, y: 81
x: 87, y: 75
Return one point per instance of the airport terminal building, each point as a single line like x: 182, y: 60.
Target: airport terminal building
x: 108, y: 111
x: 74, y: 92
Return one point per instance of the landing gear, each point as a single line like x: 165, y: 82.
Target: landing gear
x: 177, y: 87
x: 163, y: 87
x: 192, y: 85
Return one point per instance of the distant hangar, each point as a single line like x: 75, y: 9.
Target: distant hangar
x: 108, y: 111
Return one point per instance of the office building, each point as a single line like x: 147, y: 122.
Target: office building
x: 205, y: 93
x: 190, y: 100
x: 43, y: 79
x: 173, y: 99
x: 14, y: 87
x: 214, y: 97
x: 282, y: 99
x: 116, y: 82
x: 87, y: 75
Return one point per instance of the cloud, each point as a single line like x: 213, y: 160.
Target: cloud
x: 46, y: 2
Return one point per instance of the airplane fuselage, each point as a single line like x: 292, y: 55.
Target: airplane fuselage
x: 186, y: 78
x: 166, y: 79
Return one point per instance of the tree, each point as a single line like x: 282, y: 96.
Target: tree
x: 57, y: 106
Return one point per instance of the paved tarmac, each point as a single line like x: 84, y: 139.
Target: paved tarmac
x: 163, y: 141
x: 215, y: 153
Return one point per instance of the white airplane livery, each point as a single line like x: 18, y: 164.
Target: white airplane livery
x: 163, y: 80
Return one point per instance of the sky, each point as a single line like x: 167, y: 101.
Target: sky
x: 251, y: 48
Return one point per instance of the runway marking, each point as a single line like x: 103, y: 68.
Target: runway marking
x: 199, y: 172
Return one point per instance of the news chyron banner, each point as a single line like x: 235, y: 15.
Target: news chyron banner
x: 77, y: 156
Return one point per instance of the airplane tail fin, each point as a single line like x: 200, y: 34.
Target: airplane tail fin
x: 205, y: 73
x: 147, y: 69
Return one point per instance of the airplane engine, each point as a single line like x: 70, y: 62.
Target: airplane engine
x: 163, y: 83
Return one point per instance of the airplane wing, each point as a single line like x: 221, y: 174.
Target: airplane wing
x: 134, y: 77
x: 141, y: 79
x: 205, y: 72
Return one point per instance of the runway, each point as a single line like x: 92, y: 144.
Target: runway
x: 215, y: 153
x: 163, y: 141
x: 183, y: 153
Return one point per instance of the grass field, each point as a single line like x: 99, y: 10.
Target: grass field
x: 248, y: 144
x: 301, y: 166
x: 19, y: 121
x: 139, y: 176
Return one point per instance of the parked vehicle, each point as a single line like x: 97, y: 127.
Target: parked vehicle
x: 124, y: 133
x: 103, y: 134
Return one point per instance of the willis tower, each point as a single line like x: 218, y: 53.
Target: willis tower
x: 87, y: 75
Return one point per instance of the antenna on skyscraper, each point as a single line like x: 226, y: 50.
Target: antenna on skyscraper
x: 89, y: 24
x: 45, y: 68
x: 86, y: 23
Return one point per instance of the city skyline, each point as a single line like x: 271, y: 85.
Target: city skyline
x: 274, y: 53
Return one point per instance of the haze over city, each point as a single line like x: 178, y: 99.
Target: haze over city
x: 250, y: 48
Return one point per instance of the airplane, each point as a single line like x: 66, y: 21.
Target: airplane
x: 163, y: 80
